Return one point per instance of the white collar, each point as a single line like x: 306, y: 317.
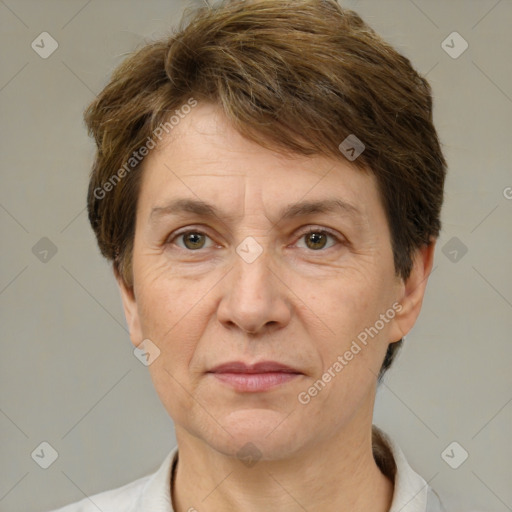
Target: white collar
x: 411, y: 492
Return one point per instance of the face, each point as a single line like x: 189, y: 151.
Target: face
x: 243, y: 255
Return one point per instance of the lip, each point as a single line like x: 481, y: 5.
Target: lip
x: 254, y: 378
x: 261, y: 367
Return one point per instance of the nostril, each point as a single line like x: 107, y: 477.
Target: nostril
x: 269, y: 324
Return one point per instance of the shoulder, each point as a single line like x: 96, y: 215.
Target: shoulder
x: 114, y: 500
x: 151, y: 492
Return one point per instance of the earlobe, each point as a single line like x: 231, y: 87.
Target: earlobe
x: 414, y: 288
x: 131, y: 312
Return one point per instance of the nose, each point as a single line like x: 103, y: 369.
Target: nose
x: 254, y: 297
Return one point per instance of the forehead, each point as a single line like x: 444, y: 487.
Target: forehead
x: 206, y: 160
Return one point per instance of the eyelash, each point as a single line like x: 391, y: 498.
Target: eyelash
x: 316, y: 230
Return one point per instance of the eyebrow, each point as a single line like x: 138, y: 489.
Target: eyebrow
x: 207, y: 210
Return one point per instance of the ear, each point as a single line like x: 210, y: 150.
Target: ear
x: 131, y: 311
x: 413, y: 289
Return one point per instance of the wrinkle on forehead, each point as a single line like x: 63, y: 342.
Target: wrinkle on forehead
x: 217, y: 165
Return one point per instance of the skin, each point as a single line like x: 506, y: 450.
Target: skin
x: 301, y: 302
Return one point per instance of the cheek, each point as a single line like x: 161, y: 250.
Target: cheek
x: 170, y: 315
x: 351, y: 306
x: 164, y: 297
x: 347, y: 301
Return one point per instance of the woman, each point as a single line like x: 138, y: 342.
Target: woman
x: 268, y: 185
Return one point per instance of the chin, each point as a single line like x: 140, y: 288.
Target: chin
x: 259, y: 433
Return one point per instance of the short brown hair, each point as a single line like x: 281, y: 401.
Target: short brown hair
x: 296, y: 76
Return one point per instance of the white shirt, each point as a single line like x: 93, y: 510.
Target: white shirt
x: 152, y: 493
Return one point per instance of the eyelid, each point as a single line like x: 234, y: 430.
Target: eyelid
x: 321, y: 229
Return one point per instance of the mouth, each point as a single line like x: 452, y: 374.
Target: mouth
x: 254, y: 378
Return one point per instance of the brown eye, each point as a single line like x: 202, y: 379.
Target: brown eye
x: 316, y: 240
x: 193, y: 240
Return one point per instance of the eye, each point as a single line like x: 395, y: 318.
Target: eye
x: 191, y: 240
x: 317, y: 239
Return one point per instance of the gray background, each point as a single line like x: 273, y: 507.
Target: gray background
x: 68, y: 373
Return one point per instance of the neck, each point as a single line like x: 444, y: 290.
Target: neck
x: 339, y: 474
